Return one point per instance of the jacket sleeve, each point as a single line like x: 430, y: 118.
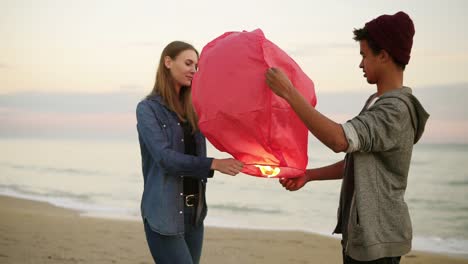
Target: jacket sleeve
x: 176, y: 163
x: 380, y: 127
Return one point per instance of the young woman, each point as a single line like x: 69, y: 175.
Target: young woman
x: 175, y: 166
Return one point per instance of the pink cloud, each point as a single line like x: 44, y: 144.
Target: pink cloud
x: 438, y: 131
x: 27, y: 122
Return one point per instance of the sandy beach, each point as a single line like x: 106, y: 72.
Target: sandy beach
x: 36, y: 232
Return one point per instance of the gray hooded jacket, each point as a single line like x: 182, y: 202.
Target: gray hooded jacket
x: 373, y: 216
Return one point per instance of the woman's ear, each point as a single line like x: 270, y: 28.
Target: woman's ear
x: 167, y: 62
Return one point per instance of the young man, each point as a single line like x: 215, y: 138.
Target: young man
x: 373, y: 217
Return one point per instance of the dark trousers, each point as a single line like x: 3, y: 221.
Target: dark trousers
x: 391, y: 260
x: 177, y: 249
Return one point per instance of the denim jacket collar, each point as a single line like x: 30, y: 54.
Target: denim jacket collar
x: 159, y: 99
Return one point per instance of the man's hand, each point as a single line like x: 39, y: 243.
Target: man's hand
x: 294, y: 184
x: 278, y: 82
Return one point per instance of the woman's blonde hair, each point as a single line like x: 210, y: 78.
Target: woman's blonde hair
x: 164, y: 85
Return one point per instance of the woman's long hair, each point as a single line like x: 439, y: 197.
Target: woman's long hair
x: 164, y: 85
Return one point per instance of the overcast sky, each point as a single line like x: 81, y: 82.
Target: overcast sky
x: 106, y: 47
x: 110, y: 45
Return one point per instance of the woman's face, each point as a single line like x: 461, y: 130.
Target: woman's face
x: 183, y: 67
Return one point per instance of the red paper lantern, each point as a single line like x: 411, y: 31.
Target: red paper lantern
x: 240, y: 115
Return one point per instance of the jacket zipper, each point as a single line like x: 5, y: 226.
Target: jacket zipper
x: 349, y: 222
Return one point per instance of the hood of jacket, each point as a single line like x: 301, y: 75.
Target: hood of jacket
x: 419, y: 115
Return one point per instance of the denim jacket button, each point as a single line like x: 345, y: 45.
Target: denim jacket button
x: 164, y: 125
x: 178, y: 124
x: 182, y: 140
x: 181, y: 194
x: 180, y: 212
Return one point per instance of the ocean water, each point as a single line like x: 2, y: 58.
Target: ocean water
x: 103, y: 178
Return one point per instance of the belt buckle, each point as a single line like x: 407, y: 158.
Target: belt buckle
x: 189, y: 200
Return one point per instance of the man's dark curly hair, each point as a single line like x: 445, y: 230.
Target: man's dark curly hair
x: 362, y: 34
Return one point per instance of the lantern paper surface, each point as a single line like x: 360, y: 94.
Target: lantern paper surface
x: 240, y: 115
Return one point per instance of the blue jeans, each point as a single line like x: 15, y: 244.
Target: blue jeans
x: 177, y: 249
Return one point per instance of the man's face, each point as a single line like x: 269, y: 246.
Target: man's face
x: 369, y: 63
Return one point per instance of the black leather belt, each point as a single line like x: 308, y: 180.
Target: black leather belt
x: 191, y: 200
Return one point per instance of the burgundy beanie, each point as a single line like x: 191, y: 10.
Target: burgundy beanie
x: 393, y: 33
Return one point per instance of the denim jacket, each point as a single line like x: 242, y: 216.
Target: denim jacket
x: 164, y: 166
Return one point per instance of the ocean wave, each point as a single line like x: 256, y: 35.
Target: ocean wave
x: 440, y: 205
x: 49, y: 193
x: 50, y: 169
x: 460, y: 183
x: 85, y: 206
x: 441, y: 245
x: 237, y: 208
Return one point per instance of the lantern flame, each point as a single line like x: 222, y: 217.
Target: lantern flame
x: 268, y: 170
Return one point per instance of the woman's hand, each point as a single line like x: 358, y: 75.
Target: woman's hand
x: 294, y: 184
x: 227, y: 166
